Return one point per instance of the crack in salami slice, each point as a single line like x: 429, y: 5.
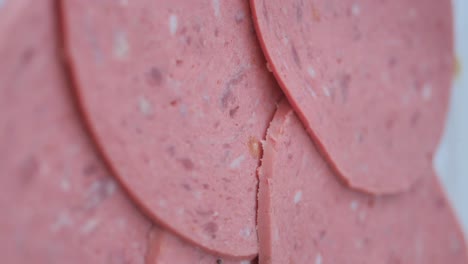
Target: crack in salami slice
x: 306, y: 215
x: 164, y: 247
x: 177, y: 96
x: 369, y: 79
x: 59, y: 202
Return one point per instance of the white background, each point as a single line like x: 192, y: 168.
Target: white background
x: 452, y: 158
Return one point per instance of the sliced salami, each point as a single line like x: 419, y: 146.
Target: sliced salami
x: 177, y: 96
x: 369, y: 79
x: 59, y: 202
x: 307, y: 216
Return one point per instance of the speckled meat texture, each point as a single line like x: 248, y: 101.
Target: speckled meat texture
x: 369, y: 79
x: 307, y: 216
x: 178, y: 96
x: 165, y: 248
x: 59, y: 203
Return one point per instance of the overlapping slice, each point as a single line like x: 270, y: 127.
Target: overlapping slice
x: 59, y: 203
x: 369, y: 79
x: 178, y: 97
x: 307, y: 216
x: 165, y: 248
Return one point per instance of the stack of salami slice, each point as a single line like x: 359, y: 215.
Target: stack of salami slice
x: 215, y: 131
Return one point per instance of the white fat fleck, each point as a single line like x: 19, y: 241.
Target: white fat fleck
x: 121, y: 223
x: 240, y: 15
x: 136, y: 245
x: 216, y: 7
x: 276, y: 236
x: 62, y: 220
x: 89, y: 226
x: 358, y: 243
x: 284, y: 11
x: 65, y: 185
x: 2, y: 3
x: 257, y: 102
x: 145, y: 106
x: 355, y: 9
x: 412, y: 13
x: 94, y: 197
x: 180, y: 211
x: 354, y: 205
x: 110, y: 187
x: 252, y: 119
x: 73, y: 150
x: 235, y: 164
x: 297, y: 197
x: 318, y: 259
x: 197, y: 195
x: 183, y: 110
x: 419, y: 247
x: 285, y: 41
x: 311, y: 71
x: 206, y: 98
x: 285, y: 65
x: 246, y: 232
x: 245, y: 262
x: 199, y: 114
x: 121, y: 46
x: 310, y: 91
x: 426, y: 92
x: 326, y: 91
x: 123, y: 2
x: 385, y: 77
x: 172, y: 24
x: 362, y: 216
x: 364, y: 168
x: 162, y: 203
x: 392, y: 42
x: 174, y: 84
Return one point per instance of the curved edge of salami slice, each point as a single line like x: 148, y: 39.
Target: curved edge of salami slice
x: 59, y: 202
x: 184, y: 137
x: 306, y: 215
x: 378, y: 143
x: 165, y: 247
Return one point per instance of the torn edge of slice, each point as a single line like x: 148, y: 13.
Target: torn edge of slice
x: 306, y: 215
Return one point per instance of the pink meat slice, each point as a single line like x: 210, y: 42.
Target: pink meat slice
x: 59, y: 202
x: 306, y: 215
x: 165, y: 248
x: 369, y: 79
x: 177, y: 96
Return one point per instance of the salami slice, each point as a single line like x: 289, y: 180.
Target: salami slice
x: 307, y: 216
x: 165, y: 248
x: 59, y: 203
x: 369, y: 79
x: 177, y: 96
